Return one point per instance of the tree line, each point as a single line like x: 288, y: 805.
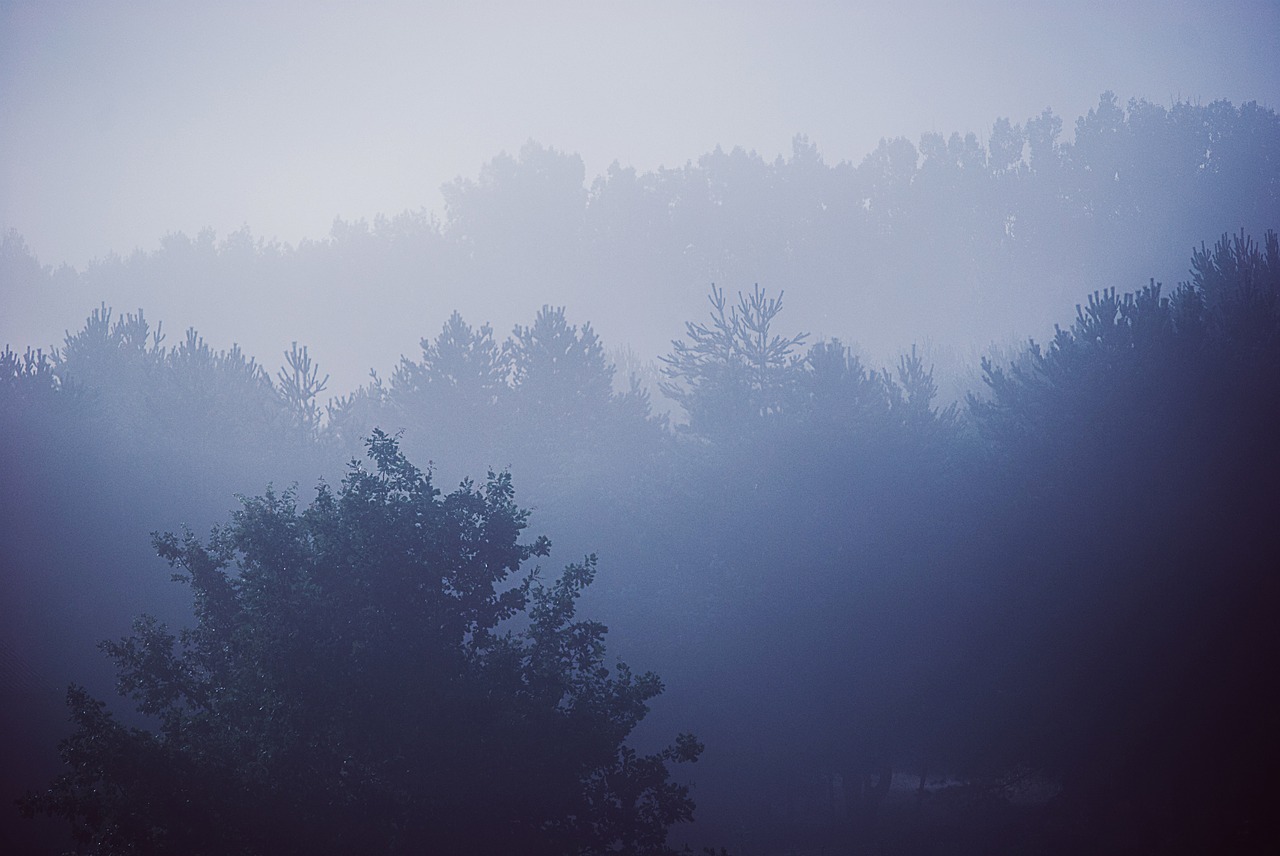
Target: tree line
x: 840, y: 581
x: 948, y: 238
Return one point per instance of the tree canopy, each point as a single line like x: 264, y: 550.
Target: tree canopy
x: 372, y: 673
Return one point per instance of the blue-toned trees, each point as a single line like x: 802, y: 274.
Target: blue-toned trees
x: 374, y: 672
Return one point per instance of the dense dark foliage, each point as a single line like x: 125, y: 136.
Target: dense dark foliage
x: 1140, y: 452
x: 351, y: 688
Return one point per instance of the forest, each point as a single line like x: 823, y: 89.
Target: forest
x: 769, y: 593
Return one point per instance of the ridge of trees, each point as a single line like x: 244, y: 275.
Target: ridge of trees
x: 1072, y: 575
x: 929, y: 239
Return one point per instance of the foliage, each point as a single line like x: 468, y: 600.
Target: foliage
x: 734, y: 370
x: 26, y: 378
x: 559, y: 371
x: 1074, y: 577
x: 463, y: 366
x: 361, y: 682
x: 735, y: 376
x: 1143, y: 354
x: 934, y: 238
x: 1133, y: 467
x: 299, y: 387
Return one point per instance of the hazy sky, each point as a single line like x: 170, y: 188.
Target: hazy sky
x: 122, y: 121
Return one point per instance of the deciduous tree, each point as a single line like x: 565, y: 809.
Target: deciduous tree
x: 367, y: 675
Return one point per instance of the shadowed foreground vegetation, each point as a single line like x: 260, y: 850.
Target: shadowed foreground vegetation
x: 1059, y: 598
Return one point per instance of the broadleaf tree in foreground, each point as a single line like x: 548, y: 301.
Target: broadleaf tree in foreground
x: 372, y: 673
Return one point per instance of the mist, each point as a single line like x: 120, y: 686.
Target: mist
x: 893, y: 389
x: 136, y: 121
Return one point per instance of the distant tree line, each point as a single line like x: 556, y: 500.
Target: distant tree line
x: 938, y: 239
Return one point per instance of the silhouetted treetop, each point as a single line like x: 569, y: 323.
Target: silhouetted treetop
x: 351, y: 682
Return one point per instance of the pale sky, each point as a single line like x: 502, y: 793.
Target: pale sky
x: 123, y: 121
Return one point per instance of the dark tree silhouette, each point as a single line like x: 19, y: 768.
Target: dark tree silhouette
x: 1134, y: 476
x: 359, y: 682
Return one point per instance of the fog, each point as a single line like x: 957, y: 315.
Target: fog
x: 127, y: 122
x: 897, y: 385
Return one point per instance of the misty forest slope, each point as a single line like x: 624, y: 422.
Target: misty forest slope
x: 955, y: 240
x: 840, y: 578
